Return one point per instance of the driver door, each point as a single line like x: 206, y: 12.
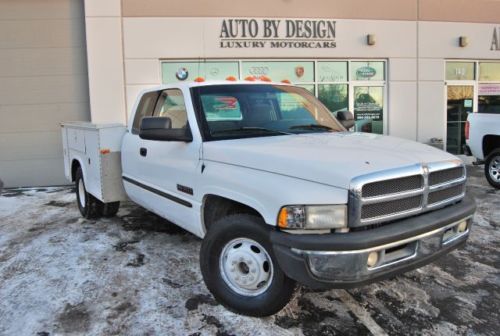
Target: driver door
x: 162, y: 173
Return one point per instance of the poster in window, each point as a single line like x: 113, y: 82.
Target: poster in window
x: 369, y: 109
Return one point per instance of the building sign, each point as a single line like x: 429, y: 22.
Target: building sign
x: 279, y: 33
x: 495, y: 40
x: 489, y: 90
x: 365, y: 72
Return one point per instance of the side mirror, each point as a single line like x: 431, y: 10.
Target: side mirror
x: 346, y: 118
x: 160, y: 128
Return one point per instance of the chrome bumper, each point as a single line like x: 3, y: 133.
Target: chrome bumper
x: 352, y: 266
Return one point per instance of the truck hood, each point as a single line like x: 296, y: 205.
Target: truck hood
x: 327, y: 158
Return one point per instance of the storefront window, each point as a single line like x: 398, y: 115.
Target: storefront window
x: 296, y: 72
x: 334, y: 96
x: 367, y: 71
x: 489, y: 71
x: 341, y: 85
x: 332, y: 72
x: 369, y: 109
x: 188, y: 71
x: 460, y: 71
x: 308, y: 87
x: 489, y: 98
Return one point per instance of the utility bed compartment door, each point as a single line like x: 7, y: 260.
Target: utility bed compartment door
x: 97, y: 147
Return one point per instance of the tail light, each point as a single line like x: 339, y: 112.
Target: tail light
x: 467, y: 126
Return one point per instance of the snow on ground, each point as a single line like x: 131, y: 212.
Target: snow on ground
x: 137, y: 274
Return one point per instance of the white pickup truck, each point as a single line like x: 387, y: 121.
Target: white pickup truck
x: 275, y: 185
x: 482, y: 133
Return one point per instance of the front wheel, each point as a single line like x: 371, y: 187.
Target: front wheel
x: 492, y: 168
x: 239, y: 267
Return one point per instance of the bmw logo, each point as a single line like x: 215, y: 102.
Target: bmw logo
x: 182, y: 74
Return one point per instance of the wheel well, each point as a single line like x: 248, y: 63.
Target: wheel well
x: 215, y: 207
x: 490, y: 142
x: 74, y: 167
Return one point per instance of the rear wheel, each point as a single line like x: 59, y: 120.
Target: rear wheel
x: 239, y: 267
x: 492, y: 168
x: 110, y: 209
x: 89, y: 206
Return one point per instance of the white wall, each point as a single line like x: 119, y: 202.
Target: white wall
x: 105, y: 60
x: 416, y: 100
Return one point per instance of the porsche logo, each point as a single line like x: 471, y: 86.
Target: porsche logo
x: 299, y: 71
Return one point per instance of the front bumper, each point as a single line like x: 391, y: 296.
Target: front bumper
x: 339, y: 260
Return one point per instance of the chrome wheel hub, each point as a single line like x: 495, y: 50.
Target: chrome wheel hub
x: 81, y: 193
x: 246, y: 267
x: 494, y: 168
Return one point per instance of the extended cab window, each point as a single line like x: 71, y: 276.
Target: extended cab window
x: 171, y: 104
x: 144, y: 109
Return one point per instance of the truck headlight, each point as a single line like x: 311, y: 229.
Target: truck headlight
x: 313, y: 217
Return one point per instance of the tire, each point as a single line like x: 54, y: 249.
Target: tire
x: 267, y: 291
x: 89, y: 206
x: 492, y: 168
x: 110, y: 209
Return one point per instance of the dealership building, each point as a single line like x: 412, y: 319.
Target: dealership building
x: 405, y: 68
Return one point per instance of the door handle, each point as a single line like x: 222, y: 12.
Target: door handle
x: 143, y: 151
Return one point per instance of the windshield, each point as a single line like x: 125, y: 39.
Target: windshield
x: 240, y: 111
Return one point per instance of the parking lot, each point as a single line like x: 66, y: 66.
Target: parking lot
x: 136, y: 274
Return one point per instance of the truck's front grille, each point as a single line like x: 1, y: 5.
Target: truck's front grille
x: 445, y: 194
x: 443, y: 176
x: 402, y: 192
x: 393, y: 186
x: 391, y: 207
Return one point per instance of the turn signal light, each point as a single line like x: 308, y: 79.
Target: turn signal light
x: 199, y: 79
x: 282, y: 218
x: 105, y: 151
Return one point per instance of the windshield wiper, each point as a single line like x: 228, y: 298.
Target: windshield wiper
x: 313, y: 127
x: 261, y: 129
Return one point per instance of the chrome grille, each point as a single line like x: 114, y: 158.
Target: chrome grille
x: 442, y: 176
x: 402, y: 192
x: 393, y: 186
x: 444, y: 194
x: 391, y: 207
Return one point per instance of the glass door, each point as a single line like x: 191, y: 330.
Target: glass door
x: 460, y: 101
x: 368, y: 108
